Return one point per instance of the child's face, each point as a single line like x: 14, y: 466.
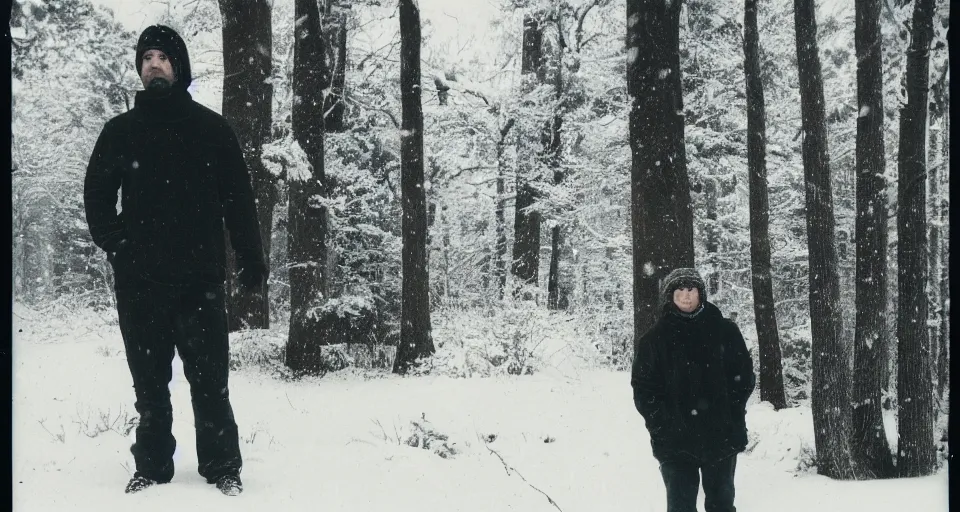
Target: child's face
x: 686, y: 299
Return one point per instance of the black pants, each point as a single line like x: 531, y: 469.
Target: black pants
x: 155, y: 320
x: 682, y: 480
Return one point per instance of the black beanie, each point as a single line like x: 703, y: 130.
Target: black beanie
x: 682, y: 278
x: 165, y: 39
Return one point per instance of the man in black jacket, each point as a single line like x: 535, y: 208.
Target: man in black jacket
x: 181, y: 176
x: 692, y: 375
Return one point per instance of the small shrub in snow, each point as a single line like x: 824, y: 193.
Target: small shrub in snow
x: 257, y: 348
x: 100, y: 422
x: 519, y: 340
x: 60, y: 437
x: 106, y: 351
x: 425, y: 436
x: 422, y: 434
x: 807, y: 459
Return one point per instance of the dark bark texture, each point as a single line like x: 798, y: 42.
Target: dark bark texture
x: 768, y: 335
x: 307, y: 223
x: 526, y: 242
x: 869, y: 441
x: 248, y: 106
x: 831, y: 375
x: 942, y: 205
x: 917, y: 455
x: 415, y: 333
x: 662, y: 219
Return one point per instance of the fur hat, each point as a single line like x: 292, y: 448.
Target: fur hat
x: 682, y: 278
x: 165, y: 39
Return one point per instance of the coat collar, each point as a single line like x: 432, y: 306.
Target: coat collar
x: 164, y: 106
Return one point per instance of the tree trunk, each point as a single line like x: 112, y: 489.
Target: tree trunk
x: 768, y: 335
x: 831, y: 375
x: 306, y: 221
x: 933, y: 248
x: 869, y: 440
x: 662, y: 221
x: 712, y: 232
x: 415, y: 337
x: 939, y: 234
x: 248, y: 106
x: 553, y: 148
x: 943, y: 214
x: 335, y: 51
x: 526, y: 243
x: 916, y: 450
x: 500, y: 263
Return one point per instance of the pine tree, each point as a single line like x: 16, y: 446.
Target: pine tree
x: 415, y: 332
x: 307, y: 230
x: 248, y: 106
x: 869, y: 441
x: 915, y: 448
x: 768, y: 336
x: 831, y: 378
x: 660, y: 187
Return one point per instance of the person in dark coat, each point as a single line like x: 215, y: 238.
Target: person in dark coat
x: 692, y: 376
x: 182, y: 179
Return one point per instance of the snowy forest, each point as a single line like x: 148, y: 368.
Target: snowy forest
x: 467, y: 209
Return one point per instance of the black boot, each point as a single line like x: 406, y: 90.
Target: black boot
x: 230, y: 485
x: 139, y: 483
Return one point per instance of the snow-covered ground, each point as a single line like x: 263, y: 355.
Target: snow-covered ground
x: 344, y: 442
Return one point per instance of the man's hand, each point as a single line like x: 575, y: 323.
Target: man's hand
x: 251, y: 276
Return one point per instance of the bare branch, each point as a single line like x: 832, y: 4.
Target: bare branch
x: 579, y: 31
x: 508, y: 468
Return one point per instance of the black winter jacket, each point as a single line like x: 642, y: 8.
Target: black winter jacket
x: 181, y: 174
x: 691, y: 380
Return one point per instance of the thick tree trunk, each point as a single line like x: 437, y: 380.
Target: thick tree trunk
x: 916, y: 450
x: 415, y: 336
x: 943, y: 214
x: 500, y: 252
x: 768, y: 335
x: 335, y: 51
x: 937, y: 255
x: 831, y: 375
x: 662, y: 221
x: 869, y: 440
x: 248, y: 106
x: 526, y: 243
x: 307, y: 223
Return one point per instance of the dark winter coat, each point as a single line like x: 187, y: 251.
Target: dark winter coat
x: 182, y: 176
x: 691, y: 380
